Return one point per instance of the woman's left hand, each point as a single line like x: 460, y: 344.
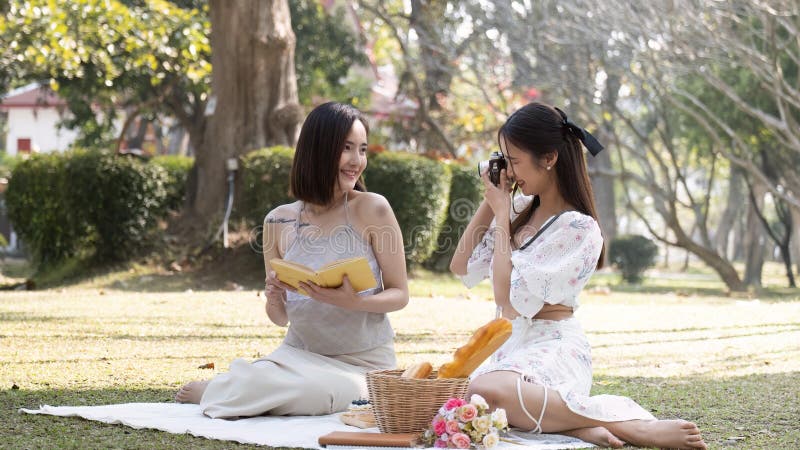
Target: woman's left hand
x: 344, y: 296
x: 497, y: 196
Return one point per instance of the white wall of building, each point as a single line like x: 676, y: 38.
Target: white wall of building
x: 40, y: 125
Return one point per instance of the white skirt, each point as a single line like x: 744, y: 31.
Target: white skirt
x: 293, y: 382
x: 555, y: 354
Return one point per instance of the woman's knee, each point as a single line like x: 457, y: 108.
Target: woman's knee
x: 493, y: 392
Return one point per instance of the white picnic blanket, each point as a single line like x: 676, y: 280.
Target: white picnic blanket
x: 297, y: 431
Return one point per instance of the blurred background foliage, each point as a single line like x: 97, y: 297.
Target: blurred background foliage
x: 698, y: 112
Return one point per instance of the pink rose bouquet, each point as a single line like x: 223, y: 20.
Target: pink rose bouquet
x: 459, y: 424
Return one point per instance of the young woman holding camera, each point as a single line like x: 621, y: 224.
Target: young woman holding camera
x: 335, y: 335
x: 539, y: 250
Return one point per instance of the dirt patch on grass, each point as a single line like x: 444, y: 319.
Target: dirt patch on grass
x: 236, y: 268
x: 240, y: 265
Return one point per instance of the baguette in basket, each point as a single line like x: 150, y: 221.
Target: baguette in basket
x: 421, y: 370
x: 481, y: 345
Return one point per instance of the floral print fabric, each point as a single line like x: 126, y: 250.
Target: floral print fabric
x: 556, y: 354
x: 552, y: 269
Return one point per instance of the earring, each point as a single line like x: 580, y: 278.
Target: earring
x: 549, y: 167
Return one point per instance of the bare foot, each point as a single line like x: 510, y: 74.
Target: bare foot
x: 597, y: 436
x: 661, y: 433
x: 191, y: 392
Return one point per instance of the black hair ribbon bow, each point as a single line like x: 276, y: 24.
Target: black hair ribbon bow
x: 589, y: 141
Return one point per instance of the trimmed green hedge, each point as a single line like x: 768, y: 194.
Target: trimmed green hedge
x: 418, y: 189
x: 265, y: 182
x: 177, y: 168
x: 87, y: 202
x: 415, y: 186
x: 37, y: 202
x: 466, y: 193
x: 632, y: 254
x: 121, y: 199
x: 91, y: 203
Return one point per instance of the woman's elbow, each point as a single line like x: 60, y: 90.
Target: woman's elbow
x: 458, y: 268
x: 400, y: 298
x: 403, y: 301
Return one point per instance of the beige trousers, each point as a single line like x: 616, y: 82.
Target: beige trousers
x: 293, y: 382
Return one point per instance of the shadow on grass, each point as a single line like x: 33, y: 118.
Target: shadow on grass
x: 241, y: 268
x: 785, y: 328
x: 760, y: 411
x: 769, y: 293
x: 220, y: 269
x: 188, y: 281
x: 437, y: 336
x: 730, y: 332
x: 684, y: 291
x: 691, y: 285
x: 9, y: 316
x: 688, y: 329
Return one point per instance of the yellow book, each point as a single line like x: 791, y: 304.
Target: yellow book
x: 330, y: 275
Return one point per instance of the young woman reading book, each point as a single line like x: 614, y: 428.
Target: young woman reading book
x: 335, y: 335
x: 539, y: 250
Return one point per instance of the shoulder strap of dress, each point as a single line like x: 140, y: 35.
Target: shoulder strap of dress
x: 541, y: 230
x: 346, y: 210
x: 299, y: 218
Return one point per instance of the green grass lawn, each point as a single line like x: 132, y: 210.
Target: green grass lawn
x: 679, y: 346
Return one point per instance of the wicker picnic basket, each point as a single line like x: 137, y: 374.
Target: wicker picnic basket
x: 407, y: 405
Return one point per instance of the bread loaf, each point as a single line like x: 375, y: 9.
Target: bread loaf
x: 481, y: 345
x: 421, y: 370
x: 360, y: 419
x: 359, y: 414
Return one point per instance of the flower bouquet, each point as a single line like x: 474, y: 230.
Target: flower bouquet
x: 459, y: 424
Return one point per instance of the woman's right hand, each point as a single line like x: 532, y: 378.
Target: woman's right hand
x: 497, y: 196
x: 275, y: 289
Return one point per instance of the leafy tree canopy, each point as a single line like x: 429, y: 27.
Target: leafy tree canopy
x: 104, y: 55
x: 152, y: 57
x: 325, y: 52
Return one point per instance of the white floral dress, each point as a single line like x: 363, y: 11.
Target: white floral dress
x: 551, y: 268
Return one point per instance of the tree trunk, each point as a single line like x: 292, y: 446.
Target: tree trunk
x: 602, y: 178
x: 176, y: 141
x: 786, y: 255
x: 795, y: 243
x: 255, y: 88
x: 739, y: 232
x: 136, y: 139
x: 733, y: 207
x: 754, y: 240
x: 519, y: 47
x: 781, y: 237
x: 725, y: 270
x: 437, y: 62
x: 601, y: 170
x: 709, y: 256
x: 426, y: 20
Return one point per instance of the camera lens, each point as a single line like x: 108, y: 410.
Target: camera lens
x: 482, y: 166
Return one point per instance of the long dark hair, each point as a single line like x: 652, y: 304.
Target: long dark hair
x: 315, y: 167
x: 539, y: 129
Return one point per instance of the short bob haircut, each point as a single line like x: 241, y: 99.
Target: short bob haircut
x: 315, y: 168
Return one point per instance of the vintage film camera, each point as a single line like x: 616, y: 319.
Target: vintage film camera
x: 495, y: 164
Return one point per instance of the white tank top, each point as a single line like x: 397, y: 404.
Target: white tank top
x: 327, y: 329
